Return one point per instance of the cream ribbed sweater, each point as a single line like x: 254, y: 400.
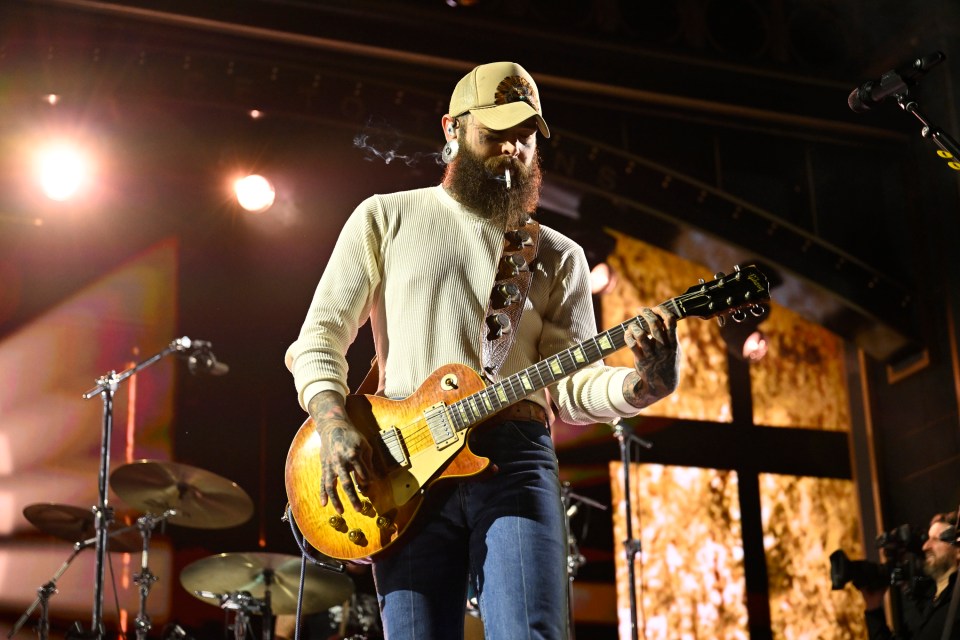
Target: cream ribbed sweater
x: 421, y: 267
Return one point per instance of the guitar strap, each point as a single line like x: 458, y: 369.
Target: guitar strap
x: 507, y: 299
x: 509, y: 296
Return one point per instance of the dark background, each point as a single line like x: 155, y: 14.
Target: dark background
x: 710, y: 128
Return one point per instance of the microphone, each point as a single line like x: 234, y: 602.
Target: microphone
x: 203, y: 361
x: 897, y: 81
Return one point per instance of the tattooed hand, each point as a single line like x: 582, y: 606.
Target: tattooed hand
x: 345, y: 454
x: 656, y: 357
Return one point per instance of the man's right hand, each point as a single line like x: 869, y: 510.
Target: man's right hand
x: 346, y: 456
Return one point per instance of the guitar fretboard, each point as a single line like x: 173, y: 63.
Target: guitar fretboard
x: 479, y: 406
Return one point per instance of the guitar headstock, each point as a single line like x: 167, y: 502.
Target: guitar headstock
x: 743, y: 289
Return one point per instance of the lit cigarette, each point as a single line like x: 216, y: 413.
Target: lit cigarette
x: 506, y: 175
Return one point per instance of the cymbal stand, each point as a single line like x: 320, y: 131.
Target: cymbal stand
x: 43, y: 600
x: 243, y: 603
x: 575, y: 560
x: 145, y: 579
x: 631, y: 546
x: 106, y: 388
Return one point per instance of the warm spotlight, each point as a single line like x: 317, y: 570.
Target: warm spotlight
x: 755, y: 346
x: 603, y: 279
x: 254, y: 193
x: 62, y: 171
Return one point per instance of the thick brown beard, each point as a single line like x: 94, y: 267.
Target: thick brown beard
x: 479, y: 185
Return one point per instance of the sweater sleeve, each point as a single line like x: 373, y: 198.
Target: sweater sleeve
x: 595, y: 393
x: 340, y: 306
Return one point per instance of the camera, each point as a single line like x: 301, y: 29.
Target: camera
x: 902, y: 549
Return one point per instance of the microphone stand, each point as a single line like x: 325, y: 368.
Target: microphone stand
x: 106, y: 388
x: 949, y: 149
x: 631, y: 546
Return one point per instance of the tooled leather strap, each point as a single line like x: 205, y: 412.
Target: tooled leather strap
x: 509, y: 295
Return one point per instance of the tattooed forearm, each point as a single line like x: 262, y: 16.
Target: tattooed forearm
x: 326, y: 405
x: 634, y: 391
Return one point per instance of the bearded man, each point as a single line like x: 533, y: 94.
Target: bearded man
x: 927, y: 608
x: 460, y: 273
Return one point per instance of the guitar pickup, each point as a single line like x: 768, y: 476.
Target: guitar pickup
x: 438, y: 421
x: 396, y: 448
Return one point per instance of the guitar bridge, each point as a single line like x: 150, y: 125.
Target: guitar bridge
x: 438, y: 421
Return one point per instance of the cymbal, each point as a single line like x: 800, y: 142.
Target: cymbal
x: 235, y: 572
x: 75, y: 524
x: 202, y: 500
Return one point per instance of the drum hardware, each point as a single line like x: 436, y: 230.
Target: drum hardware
x: 106, y: 387
x: 75, y: 525
x: 244, y: 604
x: 43, y: 600
x: 575, y: 560
x: 145, y: 579
x: 263, y: 584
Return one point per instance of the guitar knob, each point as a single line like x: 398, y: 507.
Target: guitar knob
x: 499, y: 324
x: 506, y: 294
x: 356, y: 536
x: 383, y: 522
x: 511, y: 265
x: 520, y: 237
x: 337, y: 522
x: 739, y: 315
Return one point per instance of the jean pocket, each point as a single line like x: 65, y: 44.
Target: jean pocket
x: 533, y: 434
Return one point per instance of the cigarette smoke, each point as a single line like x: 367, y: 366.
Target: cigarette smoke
x: 380, y: 141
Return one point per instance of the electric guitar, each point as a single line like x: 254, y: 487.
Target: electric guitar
x: 422, y: 439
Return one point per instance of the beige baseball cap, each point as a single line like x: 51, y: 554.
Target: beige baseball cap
x: 500, y: 95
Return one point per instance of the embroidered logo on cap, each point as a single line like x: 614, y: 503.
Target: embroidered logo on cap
x: 515, y: 89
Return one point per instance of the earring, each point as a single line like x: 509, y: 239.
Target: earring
x: 449, y: 151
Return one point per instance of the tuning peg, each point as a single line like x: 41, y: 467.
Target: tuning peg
x: 736, y: 267
x: 701, y: 281
x: 719, y: 275
x: 757, y: 310
x: 721, y: 321
x: 739, y: 315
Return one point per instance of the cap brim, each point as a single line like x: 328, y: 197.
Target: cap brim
x: 504, y: 116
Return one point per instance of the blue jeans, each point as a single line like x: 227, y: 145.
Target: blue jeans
x: 504, y: 533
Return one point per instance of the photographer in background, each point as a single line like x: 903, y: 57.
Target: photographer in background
x: 925, y: 610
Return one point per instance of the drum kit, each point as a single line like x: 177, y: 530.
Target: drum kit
x: 264, y: 584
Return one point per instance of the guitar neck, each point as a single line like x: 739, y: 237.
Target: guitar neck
x: 480, y: 406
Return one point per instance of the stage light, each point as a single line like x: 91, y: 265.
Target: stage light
x: 254, y: 193
x: 603, y: 279
x: 62, y: 170
x: 741, y: 332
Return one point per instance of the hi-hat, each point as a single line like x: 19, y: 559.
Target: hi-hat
x: 75, y: 524
x: 254, y: 573
x: 201, y: 499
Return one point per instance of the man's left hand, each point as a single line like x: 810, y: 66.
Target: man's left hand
x: 656, y: 357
